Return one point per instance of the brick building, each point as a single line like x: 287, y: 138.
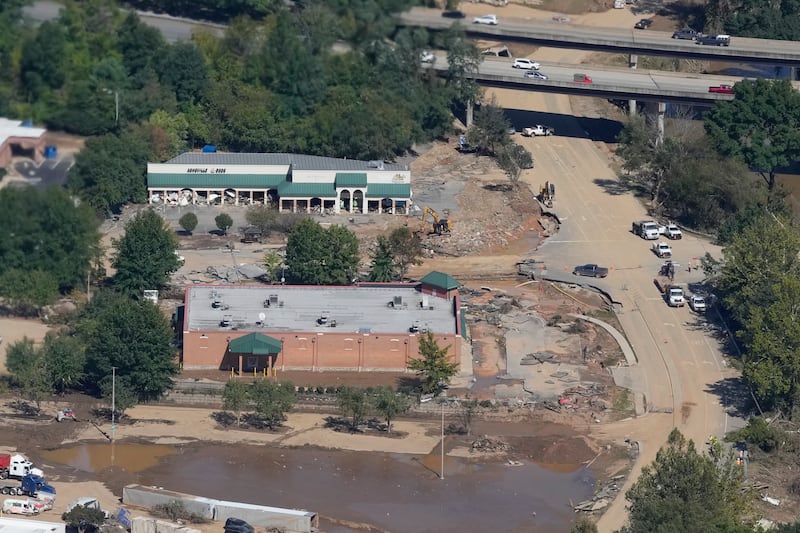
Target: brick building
x: 370, y: 327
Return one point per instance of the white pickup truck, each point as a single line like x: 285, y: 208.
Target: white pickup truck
x: 538, y: 131
x: 674, y: 295
x: 662, y: 250
x: 671, y: 231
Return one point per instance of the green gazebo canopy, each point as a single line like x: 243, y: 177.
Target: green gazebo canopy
x: 255, y: 344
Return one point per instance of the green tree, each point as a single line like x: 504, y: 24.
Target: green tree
x: 583, y: 525
x: 35, y: 240
x: 84, y: 519
x: 406, y: 249
x: 512, y: 159
x: 435, y: 364
x: 273, y: 265
x: 754, y: 261
x: 110, y: 170
x: 262, y: 216
x: 145, y: 255
x: 353, y: 403
x: 317, y: 256
x: 771, y: 336
x: 65, y: 358
x: 188, y: 222
x: 489, y: 131
x: 684, y: 490
x: 20, y: 355
x: 43, y: 63
x: 761, y: 126
x: 383, y: 266
x: 33, y: 381
x: 463, y: 61
x: 141, y: 47
x: 26, y: 292
x: 390, y: 404
x: 134, y: 337
x: 223, y: 222
x: 182, y: 68
x: 236, y: 397
x: 272, y: 400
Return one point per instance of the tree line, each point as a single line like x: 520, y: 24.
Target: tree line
x: 722, y: 178
x: 274, y: 83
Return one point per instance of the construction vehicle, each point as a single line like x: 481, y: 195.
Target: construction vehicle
x: 438, y: 226
x: 547, y: 193
x: 16, y: 466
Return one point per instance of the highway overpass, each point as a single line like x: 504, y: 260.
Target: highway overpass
x: 607, y: 82
x: 615, y: 40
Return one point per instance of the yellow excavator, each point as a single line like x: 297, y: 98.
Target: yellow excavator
x: 438, y: 226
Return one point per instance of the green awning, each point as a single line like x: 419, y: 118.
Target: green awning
x: 440, y: 281
x: 398, y: 191
x: 351, y: 179
x: 290, y: 189
x: 216, y: 181
x: 255, y: 344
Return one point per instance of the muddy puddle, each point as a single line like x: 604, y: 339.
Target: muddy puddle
x: 392, y: 492
x: 95, y: 458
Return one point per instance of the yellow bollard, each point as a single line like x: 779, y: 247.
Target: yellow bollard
x: 254, y: 372
x: 275, y: 372
x: 231, y: 373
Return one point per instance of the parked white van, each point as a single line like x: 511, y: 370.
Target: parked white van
x: 26, y: 506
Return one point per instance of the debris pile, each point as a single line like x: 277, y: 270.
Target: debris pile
x: 602, y: 497
x: 241, y: 272
x: 584, y: 397
x: 539, y: 358
x: 488, y: 444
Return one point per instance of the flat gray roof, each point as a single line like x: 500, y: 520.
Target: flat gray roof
x: 297, y: 161
x: 299, y: 308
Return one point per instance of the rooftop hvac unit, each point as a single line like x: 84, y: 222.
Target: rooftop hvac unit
x: 398, y: 300
x: 377, y: 163
x: 273, y: 298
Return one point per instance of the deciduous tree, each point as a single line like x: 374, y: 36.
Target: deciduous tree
x: 434, y: 364
x: 26, y: 292
x: 354, y: 404
x: 512, y: 159
x: 145, y: 255
x: 489, y: 131
x: 391, y: 404
x: 272, y: 400
x: 406, y: 249
x: 188, y: 222
x: 236, y: 397
x: 223, y: 222
x: 383, y: 265
x: 684, y: 490
x: 84, y: 519
x: 65, y: 359
x: 761, y: 125
x: 134, y: 337
x: 317, y: 256
x: 35, y: 239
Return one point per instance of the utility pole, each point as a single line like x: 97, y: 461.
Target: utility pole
x: 113, y: 401
x: 441, y: 470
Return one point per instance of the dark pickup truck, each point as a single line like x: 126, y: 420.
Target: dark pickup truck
x: 590, y: 270
x: 686, y: 33
x: 714, y: 40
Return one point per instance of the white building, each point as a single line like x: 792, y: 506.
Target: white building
x: 296, y: 183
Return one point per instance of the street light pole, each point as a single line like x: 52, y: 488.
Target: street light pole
x: 113, y: 400
x: 441, y: 471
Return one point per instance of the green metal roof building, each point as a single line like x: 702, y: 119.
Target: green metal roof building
x: 292, y: 182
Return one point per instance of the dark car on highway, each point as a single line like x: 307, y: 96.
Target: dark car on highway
x: 687, y: 34
x: 643, y: 24
x: 590, y: 270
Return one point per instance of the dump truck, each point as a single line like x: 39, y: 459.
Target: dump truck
x: 16, y: 466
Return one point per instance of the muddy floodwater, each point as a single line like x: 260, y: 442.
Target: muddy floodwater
x: 392, y: 492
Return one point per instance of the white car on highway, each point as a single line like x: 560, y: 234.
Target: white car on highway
x: 526, y: 64
x: 486, y: 19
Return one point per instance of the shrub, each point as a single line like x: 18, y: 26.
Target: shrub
x: 759, y: 433
x: 175, y: 510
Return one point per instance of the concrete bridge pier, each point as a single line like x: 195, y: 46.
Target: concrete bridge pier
x: 470, y: 109
x: 662, y: 110
x: 633, y: 60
